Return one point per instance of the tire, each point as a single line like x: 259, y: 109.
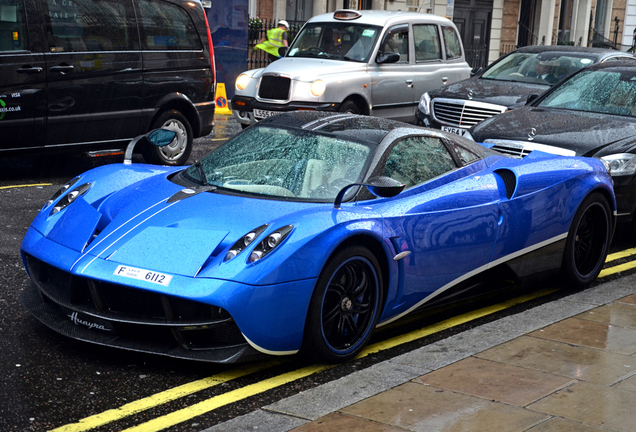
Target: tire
x: 349, y: 107
x: 176, y: 153
x: 339, y: 325
x: 588, y: 241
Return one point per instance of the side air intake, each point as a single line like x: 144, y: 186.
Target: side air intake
x: 509, y: 179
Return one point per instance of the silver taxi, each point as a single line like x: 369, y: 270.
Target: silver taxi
x: 367, y: 62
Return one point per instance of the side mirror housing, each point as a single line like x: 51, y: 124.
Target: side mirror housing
x: 381, y: 186
x: 531, y: 98
x: 282, y: 51
x: 157, y: 137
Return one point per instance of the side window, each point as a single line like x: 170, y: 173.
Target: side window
x: 165, y: 26
x: 13, y: 29
x: 89, y: 25
x: 416, y: 160
x: 396, y: 40
x: 465, y: 155
x: 426, y: 40
x: 451, y: 42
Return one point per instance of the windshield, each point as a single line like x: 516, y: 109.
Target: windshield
x: 335, y: 40
x: 546, y: 68
x: 598, y: 92
x: 284, y: 163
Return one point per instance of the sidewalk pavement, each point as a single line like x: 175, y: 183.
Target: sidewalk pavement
x: 567, y: 365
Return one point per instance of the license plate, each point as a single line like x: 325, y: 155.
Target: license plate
x: 456, y: 131
x: 144, y: 275
x: 259, y: 113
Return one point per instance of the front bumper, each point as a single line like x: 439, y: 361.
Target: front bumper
x: 243, y: 108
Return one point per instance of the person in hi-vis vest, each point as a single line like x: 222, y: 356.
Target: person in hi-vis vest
x: 276, y: 38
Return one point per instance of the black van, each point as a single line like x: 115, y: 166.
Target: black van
x: 93, y: 74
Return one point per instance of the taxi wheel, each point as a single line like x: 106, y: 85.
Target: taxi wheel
x: 349, y: 107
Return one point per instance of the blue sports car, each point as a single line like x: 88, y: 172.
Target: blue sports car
x: 304, y: 233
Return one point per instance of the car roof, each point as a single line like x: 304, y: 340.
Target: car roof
x: 382, y: 17
x: 600, y: 52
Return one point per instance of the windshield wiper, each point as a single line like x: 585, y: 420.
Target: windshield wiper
x: 203, y: 178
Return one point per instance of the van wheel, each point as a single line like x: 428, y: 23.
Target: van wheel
x: 588, y: 241
x: 178, y: 151
x: 349, y: 107
x: 344, y: 307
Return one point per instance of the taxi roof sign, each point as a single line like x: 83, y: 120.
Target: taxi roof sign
x: 346, y: 14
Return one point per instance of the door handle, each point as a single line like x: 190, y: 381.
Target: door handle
x: 409, y: 83
x: 29, y: 70
x: 62, y: 68
x: 444, y: 80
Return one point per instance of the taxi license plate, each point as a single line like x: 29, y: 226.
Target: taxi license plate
x: 456, y: 131
x: 261, y: 114
x: 142, y: 274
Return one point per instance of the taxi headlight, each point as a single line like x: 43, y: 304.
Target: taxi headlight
x: 242, y: 81
x: 318, y: 87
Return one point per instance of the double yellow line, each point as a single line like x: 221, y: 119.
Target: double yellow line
x: 203, y: 407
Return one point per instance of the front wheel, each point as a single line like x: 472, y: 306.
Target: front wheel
x: 349, y: 107
x: 178, y: 151
x: 345, y: 306
x: 588, y: 241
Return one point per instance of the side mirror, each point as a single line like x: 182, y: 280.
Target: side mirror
x: 384, y: 58
x: 476, y: 71
x: 157, y: 137
x: 531, y: 98
x: 381, y: 186
x: 282, y: 51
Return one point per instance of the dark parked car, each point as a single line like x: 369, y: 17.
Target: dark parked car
x: 593, y: 113
x: 93, y: 74
x: 506, y: 84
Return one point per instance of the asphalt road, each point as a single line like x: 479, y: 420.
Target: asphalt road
x: 48, y: 381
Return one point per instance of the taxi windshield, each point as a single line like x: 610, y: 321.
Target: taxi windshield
x: 335, y: 40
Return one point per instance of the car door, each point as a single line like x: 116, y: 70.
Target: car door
x: 392, y: 89
x: 446, y: 222
x: 94, y: 72
x: 22, y: 76
x: 428, y: 72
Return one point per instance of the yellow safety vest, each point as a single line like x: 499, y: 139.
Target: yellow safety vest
x: 273, y: 42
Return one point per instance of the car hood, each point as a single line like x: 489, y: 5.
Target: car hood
x: 153, y: 224
x: 588, y: 134
x: 309, y: 69
x: 505, y: 93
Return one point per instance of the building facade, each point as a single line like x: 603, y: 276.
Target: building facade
x: 491, y: 28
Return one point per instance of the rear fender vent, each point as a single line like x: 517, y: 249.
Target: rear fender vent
x: 510, y: 181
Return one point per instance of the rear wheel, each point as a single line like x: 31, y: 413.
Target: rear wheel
x: 345, y: 306
x: 588, y: 241
x: 349, y: 107
x: 178, y: 151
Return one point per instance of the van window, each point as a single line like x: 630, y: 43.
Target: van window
x: 89, y: 25
x: 165, y: 26
x: 451, y: 41
x: 426, y: 40
x: 396, y: 40
x: 13, y: 34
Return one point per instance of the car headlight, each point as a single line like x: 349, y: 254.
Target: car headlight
x: 242, y: 81
x: 270, y: 243
x: 621, y: 164
x: 244, y: 242
x: 425, y: 104
x: 69, y: 198
x: 318, y: 87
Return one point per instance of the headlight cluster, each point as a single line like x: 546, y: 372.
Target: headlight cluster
x: 60, y: 191
x: 263, y: 248
x: 69, y: 197
x: 318, y: 87
x: 425, y: 104
x: 242, y: 81
x: 621, y: 164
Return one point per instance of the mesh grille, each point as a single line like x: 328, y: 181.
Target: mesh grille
x: 274, y: 87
